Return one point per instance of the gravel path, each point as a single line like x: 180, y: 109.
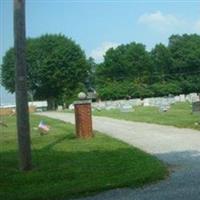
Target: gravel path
x: 178, y: 147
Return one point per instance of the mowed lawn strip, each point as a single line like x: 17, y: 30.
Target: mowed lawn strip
x: 179, y: 115
x: 66, y: 167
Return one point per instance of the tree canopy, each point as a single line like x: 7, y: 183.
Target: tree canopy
x: 171, y: 69
x: 56, y: 68
x: 130, y: 62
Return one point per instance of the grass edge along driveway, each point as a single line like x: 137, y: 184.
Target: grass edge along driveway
x: 179, y: 115
x: 67, y: 167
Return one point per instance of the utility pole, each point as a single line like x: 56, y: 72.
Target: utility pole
x: 23, y: 127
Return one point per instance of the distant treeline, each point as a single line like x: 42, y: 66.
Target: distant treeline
x: 57, y: 69
x: 130, y: 70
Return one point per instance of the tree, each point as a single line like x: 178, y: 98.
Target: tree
x: 90, y: 81
x: 131, y: 62
x: 185, y: 51
x: 162, y: 63
x: 23, y: 127
x: 131, y: 70
x: 56, y: 67
x: 123, y: 68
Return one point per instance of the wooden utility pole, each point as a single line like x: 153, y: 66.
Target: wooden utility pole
x: 23, y: 127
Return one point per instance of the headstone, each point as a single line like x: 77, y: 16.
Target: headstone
x: 192, y: 97
x: 71, y: 107
x: 99, y: 105
x: 195, y: 97
x: 182, y: 97
x: 164, y: 108
x: 110, y: 107
x: 126, y: 108
x: 177, y: 98
x: 196, y: 107
x: 146, y: 102
x: 60, y: 108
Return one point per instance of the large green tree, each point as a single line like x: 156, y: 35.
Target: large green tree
x: 185, y: 51
x: 124, y: 68
x: 56, y: 68
x: 129, y: 70
x: 162, y: 63
x: 127, y: 62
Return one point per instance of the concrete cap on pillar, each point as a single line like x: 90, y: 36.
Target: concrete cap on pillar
x: 82, y: 99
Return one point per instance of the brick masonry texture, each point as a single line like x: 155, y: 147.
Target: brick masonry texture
x: 83, y: 120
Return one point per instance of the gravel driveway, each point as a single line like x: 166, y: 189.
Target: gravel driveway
x: 180, y: 148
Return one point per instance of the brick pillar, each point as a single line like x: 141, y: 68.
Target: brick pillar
x: 83, y: 118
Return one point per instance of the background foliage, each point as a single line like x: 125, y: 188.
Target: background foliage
x: 58, y: 69
x: 130, y: 70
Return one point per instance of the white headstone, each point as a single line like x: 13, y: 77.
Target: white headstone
x: 177, y: 98
x: 146, y: 102
x: 110, y: 107
x: 71, y: 107
x: 126, y: 108
x: 182, y: 98
x: 60, y: 108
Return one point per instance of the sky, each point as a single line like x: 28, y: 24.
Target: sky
x: 97, y: 25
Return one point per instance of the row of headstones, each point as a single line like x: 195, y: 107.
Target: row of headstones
x: 163, y: 103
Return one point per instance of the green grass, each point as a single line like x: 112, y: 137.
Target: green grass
x: 66, y: 167
x: 179, y: 115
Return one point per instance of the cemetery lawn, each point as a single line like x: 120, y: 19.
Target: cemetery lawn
x: 66, y: 167
x: 179, y: 115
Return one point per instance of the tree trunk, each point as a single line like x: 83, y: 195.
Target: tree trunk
x: 23, y: 128
x: 51, y: 103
